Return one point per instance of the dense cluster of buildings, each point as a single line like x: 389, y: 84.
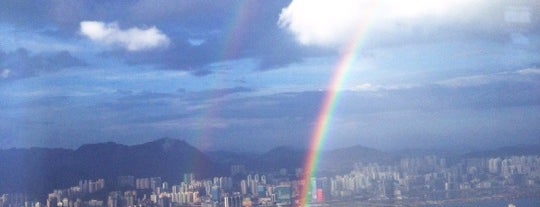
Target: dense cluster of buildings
x: 423, y: 178
x: 412, y: 178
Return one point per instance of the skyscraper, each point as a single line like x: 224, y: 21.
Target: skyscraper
x: 283, y: 194
x: 243, y: 187
x: 215, y: 193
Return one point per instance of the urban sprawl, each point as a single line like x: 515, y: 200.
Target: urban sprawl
x: 412, y: 181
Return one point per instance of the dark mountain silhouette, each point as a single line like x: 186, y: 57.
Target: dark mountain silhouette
x: 37, y: 171
x: 40, y: 170
x: 167, y: 158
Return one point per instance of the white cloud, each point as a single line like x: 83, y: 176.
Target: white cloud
x: 132, y: 39
x: 5, y: 73
x: 368, y: 87
x: 478, y: 80
x: 468, y: 81
x: 321, y: 22
x: 196, y: 42
x: 336, y: 22
x: 529, y: 71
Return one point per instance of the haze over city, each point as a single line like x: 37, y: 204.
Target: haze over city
x: 252, y: 75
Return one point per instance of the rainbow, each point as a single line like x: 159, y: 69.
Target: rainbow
x: 324, y: 117
x: 233, y: 33
x: 237, y: 29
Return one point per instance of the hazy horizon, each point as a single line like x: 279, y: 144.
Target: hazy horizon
x: 440, y: 148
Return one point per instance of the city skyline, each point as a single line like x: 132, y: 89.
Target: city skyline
x: 234, y: 74
x: 409, y: 180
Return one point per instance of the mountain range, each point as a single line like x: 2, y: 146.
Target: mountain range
x: 37, y: 171
x: 40, y: 170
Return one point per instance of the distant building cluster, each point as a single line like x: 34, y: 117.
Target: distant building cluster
x: 418, y: 178
x: 90, y: 186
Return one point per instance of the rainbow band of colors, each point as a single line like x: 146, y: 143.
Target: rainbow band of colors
x: 325, y: 113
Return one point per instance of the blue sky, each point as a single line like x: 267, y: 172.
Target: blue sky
x: 251, y: 75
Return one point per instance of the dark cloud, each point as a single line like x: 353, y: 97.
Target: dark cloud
x: 271, y: 50
x: 179, y: 56
x: 229, y: 29
x: 280, y: 49
x: 63, y: 16
x: 11, y: 10
x: 21, y: 63
x: 239, y: 30
x: 182, y: 14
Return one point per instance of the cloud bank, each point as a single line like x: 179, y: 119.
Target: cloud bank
x: 133, y: 39
x: 322, y: 22
x: 334, y: 23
